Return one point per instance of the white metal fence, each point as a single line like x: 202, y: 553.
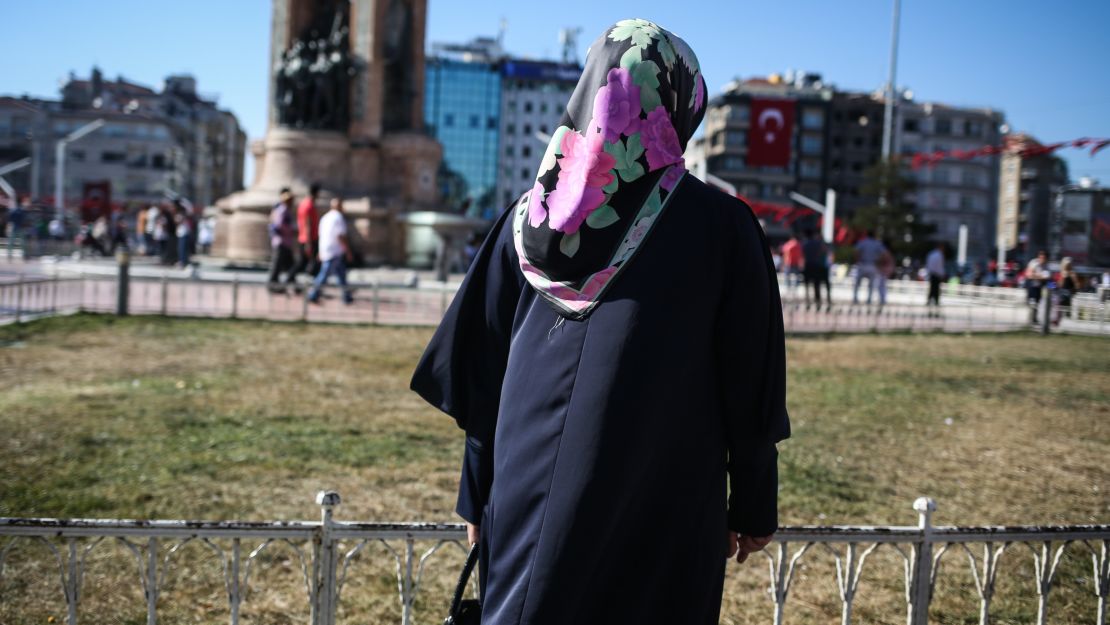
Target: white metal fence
x: 29, y: 298
x: 326, y: 549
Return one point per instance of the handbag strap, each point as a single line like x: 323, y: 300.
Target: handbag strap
x: 471, y: 560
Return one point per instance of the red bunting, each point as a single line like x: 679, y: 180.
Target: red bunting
x: 1025, y: 149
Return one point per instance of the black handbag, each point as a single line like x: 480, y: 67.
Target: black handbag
x: 465, y: 611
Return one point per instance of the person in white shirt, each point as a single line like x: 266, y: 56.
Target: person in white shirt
x: 934, y: 266
x: 335, y: 252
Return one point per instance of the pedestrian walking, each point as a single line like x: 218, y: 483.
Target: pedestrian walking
x: 1067, y: 285
x: 150, y: 226
x: 1036, y: 276
x: 206, y: 233
x: 184, y: 232
x: 867, y: 254
x: 601, y: 410
x: 283, y: 238
x: 335, y: 252
x: 935, y: 271
x: 308, y: 233
x: 815, y: 255
x: 885, y: 270
x: 794, y: 261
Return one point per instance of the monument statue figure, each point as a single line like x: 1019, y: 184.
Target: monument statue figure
x: 313, y: 77
x: 396, y: 52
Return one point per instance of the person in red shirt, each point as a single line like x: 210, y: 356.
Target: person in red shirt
x: 308, y: 232
x: 793, y: 261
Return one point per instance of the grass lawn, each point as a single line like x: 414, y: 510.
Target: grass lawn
x: 157, y: 418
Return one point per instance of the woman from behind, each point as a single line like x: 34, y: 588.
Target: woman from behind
x: 616, y: 358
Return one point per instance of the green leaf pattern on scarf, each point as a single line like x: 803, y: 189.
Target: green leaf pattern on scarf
x: 626, y: 154
x: 603, y: 217
x: 646, y: 75
x: 568, y: 245
x: 642, y: 32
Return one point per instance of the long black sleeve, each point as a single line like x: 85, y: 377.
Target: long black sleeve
x: 752, y: 382
x: 464, y: 364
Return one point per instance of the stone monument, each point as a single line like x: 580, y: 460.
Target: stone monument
x: 346, y: 110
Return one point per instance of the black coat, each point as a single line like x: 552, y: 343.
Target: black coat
x: 597, y: 451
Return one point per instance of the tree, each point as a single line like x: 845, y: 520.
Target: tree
x: 892, y: 217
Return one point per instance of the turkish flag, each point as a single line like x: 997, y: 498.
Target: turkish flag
x: 772, y: 124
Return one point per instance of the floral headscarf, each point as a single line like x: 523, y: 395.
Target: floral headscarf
x: 611, y: 165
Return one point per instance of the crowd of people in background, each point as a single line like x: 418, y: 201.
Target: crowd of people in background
x: 806, y: 261
x: 303, y: 241
x: 171, y: 232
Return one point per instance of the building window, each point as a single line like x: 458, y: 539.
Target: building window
x: 738, y: 113
x: 508, y: 150
x: 973, y: 129
x: 543, y: 128
x: 911, y: 125
x: 449, y: 120
x: 526, y: 151
x: 112, y: 157
x: 811, y: 144
x: 510, y: 129
x: 810, y: 168
x: 77, y: 156
x: 491, y: 123
x: 543, y: 107
x: 734, y: 163
x: 158, y: 161
x: 524, y: 173
x: 527, y: 130
x: 736, y: 139
x: 475, y: 121
x: 527, y: 107
x: 813, y: 119
x: 943, y: 127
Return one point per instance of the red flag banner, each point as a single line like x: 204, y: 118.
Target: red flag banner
x: 769, y: 135
x: 1025, y: 149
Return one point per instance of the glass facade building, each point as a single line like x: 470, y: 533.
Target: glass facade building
x: 462, y: 104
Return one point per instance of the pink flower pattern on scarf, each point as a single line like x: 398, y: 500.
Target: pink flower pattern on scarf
x: 536, y: 212
x: 583, y: 170
x: 617, y: 105
x: 660, y: 140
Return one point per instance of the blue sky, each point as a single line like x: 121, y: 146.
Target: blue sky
x: 1046, y: 65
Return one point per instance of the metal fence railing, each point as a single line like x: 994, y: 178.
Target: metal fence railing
x: 23, y: 299
x: 325, y: 552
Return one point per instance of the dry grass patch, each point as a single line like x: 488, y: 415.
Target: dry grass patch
x: 156, y: 418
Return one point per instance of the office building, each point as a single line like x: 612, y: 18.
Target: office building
x: 534, y: 95
x: 153, y: 145
x: 1080, y: 226
x: 462, y: 104
x: 955, y: 191
x: 768, y: 137
x: 1027, y: 189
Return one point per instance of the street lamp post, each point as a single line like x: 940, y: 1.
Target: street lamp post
x: 60, y: 164
x: 888, y: 112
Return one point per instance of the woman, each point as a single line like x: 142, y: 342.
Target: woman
x: 1067, y: 285
x: 615, y: 349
